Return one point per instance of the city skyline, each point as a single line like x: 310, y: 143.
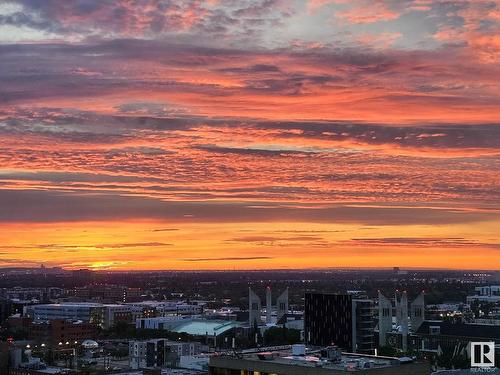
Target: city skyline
x: 256, y: 134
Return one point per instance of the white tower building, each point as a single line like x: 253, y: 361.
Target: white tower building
x: 254, y: 308
x: 384, y: 318
x: 282, y: 305
x: 269, y: 306
x: 417, y: 312
x: 401, y: 300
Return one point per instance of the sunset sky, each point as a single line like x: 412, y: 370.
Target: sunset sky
x: 225, y: 134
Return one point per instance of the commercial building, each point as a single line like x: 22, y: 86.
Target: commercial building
x: 5, y: 309
x: 19, y: 306
x: 113, y: 314
x: 161, y: 322
x: 299, y: 362
x: 105, y: 316
x: 438, y: 338
x: 57, y: 331
x: 38, y: 294
x: 87, y: 312
x: 211, y: 330
x: 339, y: 319
x: 489, y: 293
x: 292, y: 321
x: 45, y: 371
x: 164, y: 308
x: 151, y: 353
x: 54, y: 331
x: 82, y: 276
x: 106, y: 293
x: 185, y: 348
x: 162, y: 352
x: 207, y: 328
x: 435, y: 334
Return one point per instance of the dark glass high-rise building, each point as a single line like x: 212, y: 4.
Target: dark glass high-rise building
x: 5, y: 309
x: 339, y: 319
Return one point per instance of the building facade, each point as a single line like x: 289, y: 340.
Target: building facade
x: 255, y: 310
x: 151, y: 353
x: 490, y: 293
x: 108, y: 293
x: 339, y: 319
x: 286, y: 363
x: 408, y: 318
x: 161, y: 322
x: 105, y: 316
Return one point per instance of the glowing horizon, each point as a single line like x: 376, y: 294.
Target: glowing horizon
x: 250, y: 135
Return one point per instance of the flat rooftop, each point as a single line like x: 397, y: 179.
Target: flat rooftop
x: 205, y: 327
x: 284, y: 362
x: 77, y: 304
x: 169, y: 371
x: 347, y: 361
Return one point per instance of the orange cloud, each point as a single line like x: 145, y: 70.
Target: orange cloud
x: 368, y: 12
x: 215, y: 117
x: 73, y: 245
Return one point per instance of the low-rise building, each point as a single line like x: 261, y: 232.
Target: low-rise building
x: 194, y: 362
x: 322, y: 362
x: 87, y: 312
x: 106, y: 293
x: 165, y: 308
x: 161, y: 323
x: 70, y: 331
x: 113, y: 314
x: 105, y: 316
x: 150, y: 353
x: 54, y: 331
x: 185, y: 348
x: 434, y: 334
x: 490, y: 293
x: 38, y: 294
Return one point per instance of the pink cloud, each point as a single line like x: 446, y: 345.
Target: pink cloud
x: 368, y: 12
x: 382, y: 40
x: 479, y: 32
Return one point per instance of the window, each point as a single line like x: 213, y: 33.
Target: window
x: 434, y: 330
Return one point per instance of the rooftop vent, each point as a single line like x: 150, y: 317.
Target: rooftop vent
x: 298, y: 350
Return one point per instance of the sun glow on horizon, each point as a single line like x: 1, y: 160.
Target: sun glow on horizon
x: 250, y: 135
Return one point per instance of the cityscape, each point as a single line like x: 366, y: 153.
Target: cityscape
x: 249, y: 187
x: 395, y: 321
